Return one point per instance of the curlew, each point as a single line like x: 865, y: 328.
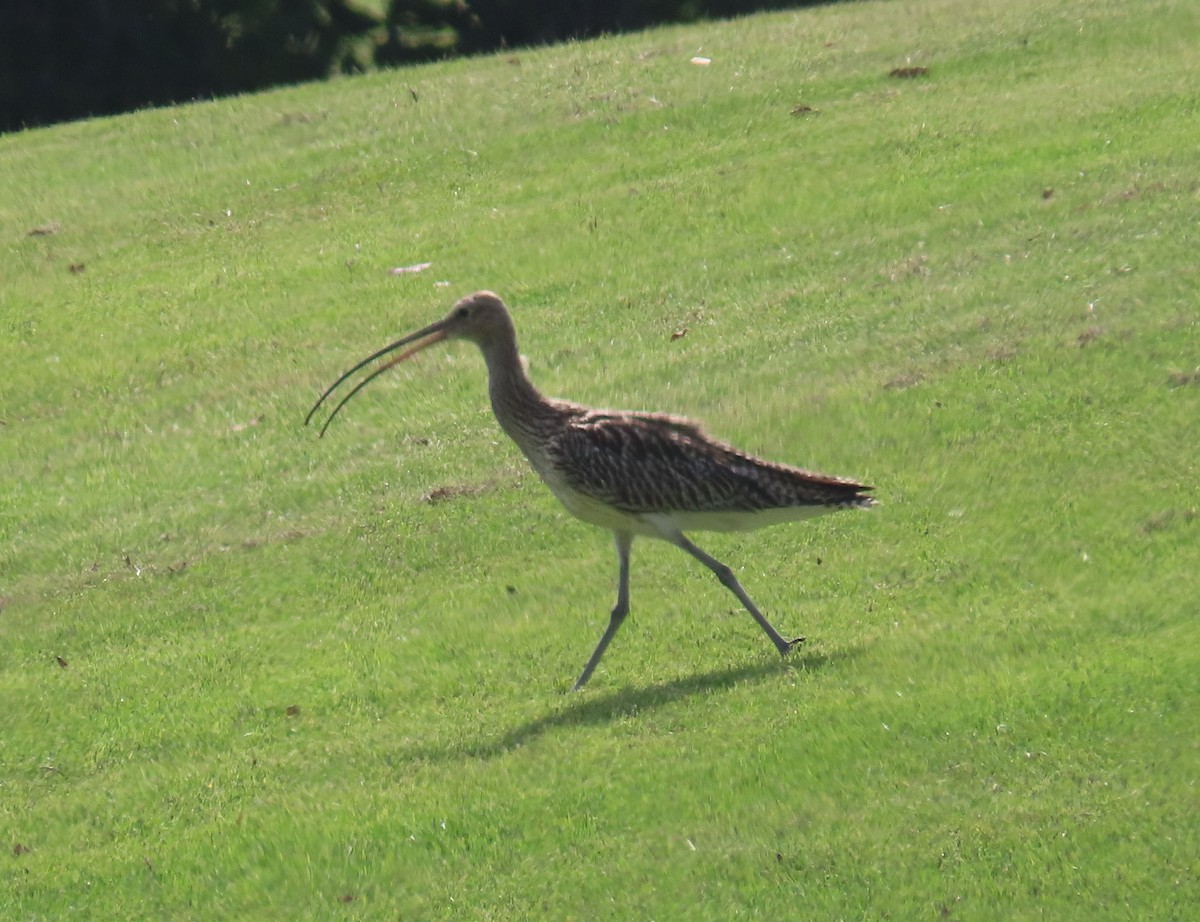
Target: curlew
x: 633, y: 473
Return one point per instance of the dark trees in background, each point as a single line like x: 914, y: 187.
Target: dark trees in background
x: 479, y: 26
x: 67, y: 59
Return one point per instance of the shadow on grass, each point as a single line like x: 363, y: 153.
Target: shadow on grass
x: 583, y: 709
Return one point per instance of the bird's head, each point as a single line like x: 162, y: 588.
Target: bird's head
x: 481, y: 318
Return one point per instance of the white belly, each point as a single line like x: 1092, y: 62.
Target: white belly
x: 666, y: 524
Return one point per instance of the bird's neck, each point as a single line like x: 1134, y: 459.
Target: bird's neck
x: 520, y: 408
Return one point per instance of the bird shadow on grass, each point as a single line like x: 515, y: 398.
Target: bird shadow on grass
x: 586, y: 709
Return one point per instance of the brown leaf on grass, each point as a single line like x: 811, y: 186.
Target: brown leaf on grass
x: 1088, y: 336
x: 61, y: 662
x: 1002, y: 354
x: 45, y: 230
x: 296, y: 118
x: 20, y: 849
x: 903, y: 381
x: 1137, y: 191
x: 914, y: 266
x: 908, y: 73
x: 1164, y: 520
x: 440, y: 495
x: 241, y: 427
x: 446, y: 493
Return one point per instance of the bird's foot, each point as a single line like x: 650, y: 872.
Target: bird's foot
x: 789, y: 645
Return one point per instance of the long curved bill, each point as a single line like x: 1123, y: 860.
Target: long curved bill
x: 433, y: 333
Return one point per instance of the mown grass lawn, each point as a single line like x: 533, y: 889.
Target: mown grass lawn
x: 246, y: 673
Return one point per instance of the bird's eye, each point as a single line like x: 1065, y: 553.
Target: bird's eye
x: 462, y: 313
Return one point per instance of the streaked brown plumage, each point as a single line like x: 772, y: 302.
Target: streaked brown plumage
x: 634, y: 473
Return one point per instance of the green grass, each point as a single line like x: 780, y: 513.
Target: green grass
x: 248, y: 674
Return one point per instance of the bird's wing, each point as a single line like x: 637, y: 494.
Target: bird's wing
x: 646, y: 463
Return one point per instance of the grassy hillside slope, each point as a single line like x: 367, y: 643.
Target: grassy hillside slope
x: 248, y: 674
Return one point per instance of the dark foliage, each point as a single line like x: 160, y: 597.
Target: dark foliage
x: 420, y: 29
x: 64, y: 59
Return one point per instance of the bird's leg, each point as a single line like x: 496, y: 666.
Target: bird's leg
x: 620, y: 610
x: 729, y: 581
